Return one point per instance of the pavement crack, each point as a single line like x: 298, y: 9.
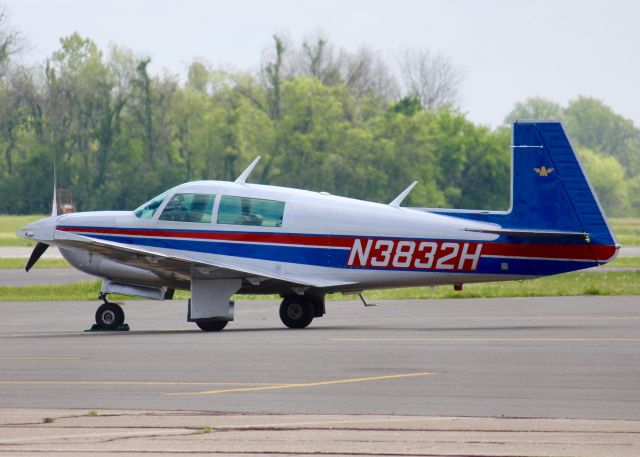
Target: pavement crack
x: 146, y: 435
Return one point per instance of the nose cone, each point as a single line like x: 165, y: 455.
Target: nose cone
x: 41, y: 230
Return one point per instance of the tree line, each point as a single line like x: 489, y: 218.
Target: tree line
x: 322, y: 119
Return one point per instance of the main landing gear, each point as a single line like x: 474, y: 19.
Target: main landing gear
x: 109, y: 315
x: 297, y: 311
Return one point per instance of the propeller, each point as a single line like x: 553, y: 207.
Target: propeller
x: 41, y: 247
x: 36, y: 254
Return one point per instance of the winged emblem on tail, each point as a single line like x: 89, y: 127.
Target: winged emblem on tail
x: 543, y: 171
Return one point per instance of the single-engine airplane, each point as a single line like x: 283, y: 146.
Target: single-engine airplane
x: 218, y: 238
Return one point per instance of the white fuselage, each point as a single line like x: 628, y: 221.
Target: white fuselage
x: 368, y: 244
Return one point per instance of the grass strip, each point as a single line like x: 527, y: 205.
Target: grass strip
x: 625, y: 262
x: 626, y: 229
x: 9, y: 225
x: 576, y: 283
x: 51, y: 292
x: 14, y: 223
x: 10, y: 240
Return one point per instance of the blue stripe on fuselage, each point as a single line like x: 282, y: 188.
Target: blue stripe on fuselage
x: 275, y: 253
x: 337, y: 258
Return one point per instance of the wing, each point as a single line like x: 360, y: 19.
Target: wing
x: 181, y: 265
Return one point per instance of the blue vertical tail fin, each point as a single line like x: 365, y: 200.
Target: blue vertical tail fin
x: 550, y: 190
x: 552, y: 200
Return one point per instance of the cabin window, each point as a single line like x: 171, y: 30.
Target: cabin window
x: 250, y: 211
x: 147, y: 210
x: 189, y: 208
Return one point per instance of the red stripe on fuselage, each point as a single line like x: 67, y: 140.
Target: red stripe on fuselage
x: 530, y: 250
x: 252, y: 237
x: 550, y: 251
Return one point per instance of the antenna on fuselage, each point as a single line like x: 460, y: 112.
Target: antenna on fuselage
x: 54, y: 203
x: 245, y: 174
x: 399, y: 199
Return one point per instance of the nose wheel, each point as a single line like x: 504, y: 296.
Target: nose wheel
x: 109, y: 316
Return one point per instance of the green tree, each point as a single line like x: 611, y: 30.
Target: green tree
x: 593, y: 124
x: 607, y: 177
x: 10, y: 42
x: 322, y: 118
x: 634, y: 195
x: 79, y: 113
x: 535, y: 108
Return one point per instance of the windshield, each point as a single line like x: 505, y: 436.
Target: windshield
x: 147, y: 210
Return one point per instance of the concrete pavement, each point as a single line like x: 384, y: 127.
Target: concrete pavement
x: 108, y: 432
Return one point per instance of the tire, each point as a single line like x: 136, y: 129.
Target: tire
x: 109, y: 316
x: 214, y: 326
x: 296, y: 312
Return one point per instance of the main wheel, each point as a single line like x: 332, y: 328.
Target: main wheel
x: 109, y: 316
x: 215, y: 326
x: 296, y: 312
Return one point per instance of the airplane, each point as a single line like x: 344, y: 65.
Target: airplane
x: 216, y: 239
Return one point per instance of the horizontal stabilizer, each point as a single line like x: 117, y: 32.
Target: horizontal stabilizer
x: 534, y: 233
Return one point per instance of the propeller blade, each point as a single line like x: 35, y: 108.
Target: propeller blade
x: 36, y: 254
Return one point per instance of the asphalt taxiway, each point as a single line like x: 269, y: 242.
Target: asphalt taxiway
x: 562, y: 357
x: 517, y: 376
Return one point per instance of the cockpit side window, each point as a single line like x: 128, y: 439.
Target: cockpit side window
x: 189, y: 208
x: 250, y: 211
x: 147, y: 210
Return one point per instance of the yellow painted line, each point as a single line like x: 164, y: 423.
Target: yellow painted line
x: 484, y: 339
x: 306, y: 384
x: 135, y: 383
x: 39, y: 358
x: 12, y: 324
